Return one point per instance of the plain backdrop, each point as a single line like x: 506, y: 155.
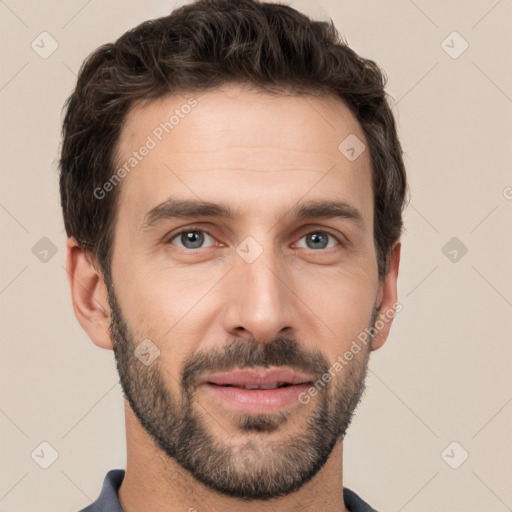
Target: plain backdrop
x: 434, y: 429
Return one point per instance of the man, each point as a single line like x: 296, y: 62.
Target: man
x: 232, y: 188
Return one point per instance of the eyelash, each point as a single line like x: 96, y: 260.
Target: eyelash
x: 198, y: 229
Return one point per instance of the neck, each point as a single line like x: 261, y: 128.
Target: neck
x: 153, y: 482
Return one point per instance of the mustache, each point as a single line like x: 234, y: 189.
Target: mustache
x: 243, y: 354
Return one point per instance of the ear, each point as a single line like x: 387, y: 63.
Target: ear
x: 89, y: 295
x: 387, y: 298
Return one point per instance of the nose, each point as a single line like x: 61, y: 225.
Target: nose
x: 261, y: 303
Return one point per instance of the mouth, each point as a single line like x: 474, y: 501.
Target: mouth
x: 273, y: 385
x: 259, y: 378
x: 258, y: 391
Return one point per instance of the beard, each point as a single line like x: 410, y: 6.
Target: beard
x: 257, y: 468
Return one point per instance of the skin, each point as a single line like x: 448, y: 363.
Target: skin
x: 262, y: 155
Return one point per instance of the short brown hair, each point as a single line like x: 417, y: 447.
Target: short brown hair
x: 204, y: 45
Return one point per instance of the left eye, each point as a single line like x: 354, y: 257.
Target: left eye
x: 319, y: 240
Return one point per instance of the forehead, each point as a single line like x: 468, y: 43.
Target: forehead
x: 242, y: 146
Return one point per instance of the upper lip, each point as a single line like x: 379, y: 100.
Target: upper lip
x: 258, y: 377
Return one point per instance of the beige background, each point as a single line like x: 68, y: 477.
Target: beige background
x: 444, y: 374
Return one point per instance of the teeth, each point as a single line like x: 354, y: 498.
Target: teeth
x: 269, y: 386
x: 266, y: 386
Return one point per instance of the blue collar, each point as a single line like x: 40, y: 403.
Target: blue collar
x: 109, y: 502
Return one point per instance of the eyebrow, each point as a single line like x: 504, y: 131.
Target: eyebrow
x: 183, y: 209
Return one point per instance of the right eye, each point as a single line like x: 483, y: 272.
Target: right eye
x: 191, y: 238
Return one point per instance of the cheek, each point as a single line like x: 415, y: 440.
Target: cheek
x: 167, y: 306
x: 344, y: 302
x: 152, y: 294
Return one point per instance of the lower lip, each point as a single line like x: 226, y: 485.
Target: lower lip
x: 257, y: 400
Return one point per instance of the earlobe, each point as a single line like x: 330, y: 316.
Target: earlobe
x: 387, y: 298
x: 88, y: 294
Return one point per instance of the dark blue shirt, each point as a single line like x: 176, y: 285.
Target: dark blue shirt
x: 108, y: 502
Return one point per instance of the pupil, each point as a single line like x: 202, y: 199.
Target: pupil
x: 318, y: 237
x: 192, y: 239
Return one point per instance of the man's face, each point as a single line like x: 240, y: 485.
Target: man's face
x: 265, y: 289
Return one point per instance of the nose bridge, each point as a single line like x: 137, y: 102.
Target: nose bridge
x: 260, y: 302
